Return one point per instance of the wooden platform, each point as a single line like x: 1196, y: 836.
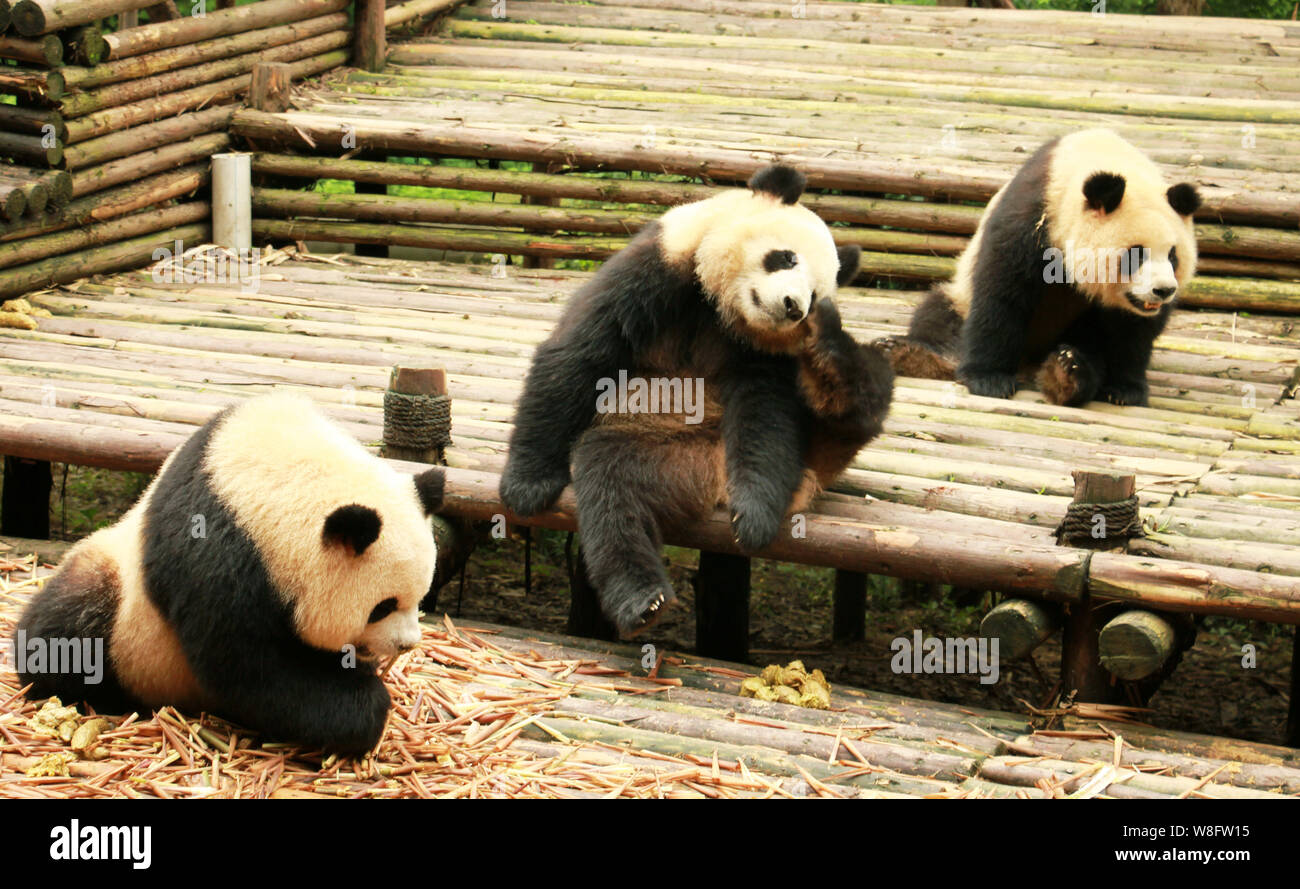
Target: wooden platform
x: 959, y: 489
x: 486, y: 711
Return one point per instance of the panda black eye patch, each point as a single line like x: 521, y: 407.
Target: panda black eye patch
x: 382, y: 610
x: 779, y: 260
x: 1173, y: 257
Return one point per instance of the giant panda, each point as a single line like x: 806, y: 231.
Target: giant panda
x: 1072, y: 273
x: 267, y: 568
x: 734, y: 290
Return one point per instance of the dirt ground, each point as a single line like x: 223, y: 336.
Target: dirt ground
x: 790, y: 617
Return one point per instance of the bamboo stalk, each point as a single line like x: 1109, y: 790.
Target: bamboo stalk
x: 47, y: 50
x: 218, y: 23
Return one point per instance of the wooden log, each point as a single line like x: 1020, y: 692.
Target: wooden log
x: 1293, y: 709
x: 85, y: 45
x: 40, y: 87
x: 410, y: 10
x: 140, y: 141
x: 6, y: 16
x: 30, y: 250
x: 57, y: 183
x: 232, y: 217
x: 31, y: 149
x: 850, y: 607
x: 128, y: 169
x: 1081, y: 670
x: 1136, y: 644
x: 1020, y: 626
x: 113, y: 257
x: 416, y: 381
x: 722, y: 606
x: 270, y: 87
x: 370, y: 44
x: 192, y: 77
x: 47, y: 50
x: 150, y: 64
x: 37, y: 121
x: 35, y: 17
x: 165, y: 11
x: 219, y: 23
x: 37, y: 199
x: 13, y: 201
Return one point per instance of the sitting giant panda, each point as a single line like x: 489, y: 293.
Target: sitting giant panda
x: 734, y: 290
x: 262, y: 574
x: 1072, y: 271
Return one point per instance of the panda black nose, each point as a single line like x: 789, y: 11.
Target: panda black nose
x: 792, y: 310
x: 1164, y: 292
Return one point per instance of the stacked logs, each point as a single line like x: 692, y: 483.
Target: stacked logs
x: 103, y: 160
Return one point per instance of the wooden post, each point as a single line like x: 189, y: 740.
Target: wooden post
x: 850, y: 607
x: 378, y: 250
x: 1293, y: 711
x: 585, y: 617
x: 270, y: 86
x: 370, y: 42
x: 416, y: 381
x: 25, y: 504
x: 722, y: 606
x: 1020, y: 626
x: 232, y: 201
x: 1081, y: 669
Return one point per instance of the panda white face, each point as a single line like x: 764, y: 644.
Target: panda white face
x: 779, y: 292
x: 390, y: 630
x: 1153, y: 284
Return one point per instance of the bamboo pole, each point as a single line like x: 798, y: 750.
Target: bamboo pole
x: 218, y: 23
x: 34, y: 17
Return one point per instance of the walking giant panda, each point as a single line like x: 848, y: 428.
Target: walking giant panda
x: 1072, y: 271
x: 268, y: 567
x: 734, y: 291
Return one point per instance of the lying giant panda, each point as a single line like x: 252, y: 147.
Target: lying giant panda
x: 734, y: 290
x: 1072, y: 271
x: 262, y: 574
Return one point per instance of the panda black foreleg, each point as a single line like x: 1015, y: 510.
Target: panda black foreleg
x: 630, y: 481
x: 993, y: 337
x: 1127, y: 349
x: 844, y: 381
x: 763, y: 441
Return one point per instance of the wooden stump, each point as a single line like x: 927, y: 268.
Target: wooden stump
x: 1020, y: 626
x: 850, y: 609
x: 722, y: 606
x: 270, y: 87
x: 370, y: 41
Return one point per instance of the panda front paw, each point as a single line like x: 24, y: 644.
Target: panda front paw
x: 754, y: 529
x: 990, y: 385
x: 528, y: 491
x: 1132, y: 394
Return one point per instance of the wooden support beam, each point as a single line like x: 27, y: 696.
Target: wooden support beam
x: 25, y: 502
x: 372, y: 249
x: 370, y: 41
x: 1081, y: 669
x: 850, y: 607
x: 1293, y: 711
x: 722, y: 606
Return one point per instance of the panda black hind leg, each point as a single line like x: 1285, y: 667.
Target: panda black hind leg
x: 630, y: 481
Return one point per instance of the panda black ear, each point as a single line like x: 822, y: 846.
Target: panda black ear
x: 429, y: 486
x: 1104, y: 191
x: 1184, y: 198
x: 780, y: 181
x: 353, y: 527
x: 850, y: 256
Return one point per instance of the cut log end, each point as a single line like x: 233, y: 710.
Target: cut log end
x: 1136, y: 644
x: 1020, y: 626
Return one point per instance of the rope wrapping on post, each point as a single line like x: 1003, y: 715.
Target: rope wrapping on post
x: 417, y: 421
x: 1116, y: 521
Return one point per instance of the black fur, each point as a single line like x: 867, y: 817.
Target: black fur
x: 354, y: 527
x: 1104, y: 191
x: 777, y: 260
x: 935, y: 323
x: 236, y: 630
x: 781, y: 181
x: 850, y: 255
x: 1184, y: 198
x: 430, y: 485
x: 630, y: 482
x: 80, y: 602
